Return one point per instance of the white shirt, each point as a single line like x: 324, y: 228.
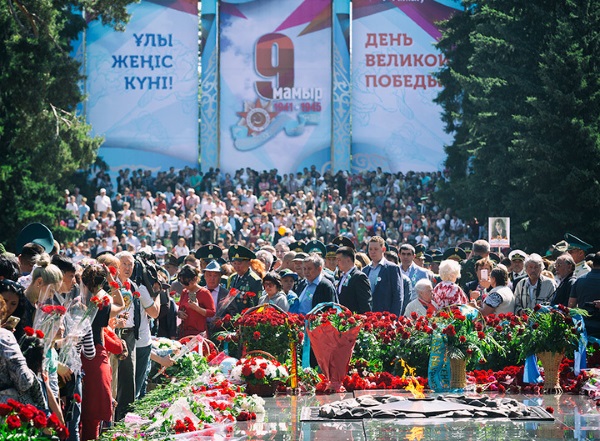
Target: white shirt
x: 102, y: 203
x: 146, y: 301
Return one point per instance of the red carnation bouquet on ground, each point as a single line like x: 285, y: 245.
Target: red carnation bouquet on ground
x: 333, y: 330
x: 25, y: 422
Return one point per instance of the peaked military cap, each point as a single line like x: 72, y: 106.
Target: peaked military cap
x: 574, y: 243
x: 455, y: 253
x: 171, y: 260
x: 315, y: 246
x: 288, y: 273
x: 343, y: 241
x: 298, y: 247
x: 466, y: 246
x: 239, y: 252
x: 517, y: 255
x: 36, y: 233
x: 209, y: 252
x: 331, y: 249
x: 420, y: 250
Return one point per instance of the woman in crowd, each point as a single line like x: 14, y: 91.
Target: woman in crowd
x: 273, y: 292
x: 12, y: 294
x: 478, y: 289
x: 500, y: 300
x: 447, y: 292
x: 196, y: 302
x: 97, y: 397
x: 17, y: 380
x: 46, y: 279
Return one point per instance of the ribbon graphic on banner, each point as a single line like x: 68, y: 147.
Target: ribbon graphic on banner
x: 243, y: 141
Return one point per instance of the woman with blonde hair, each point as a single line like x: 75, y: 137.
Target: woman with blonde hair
x: 46, y: 279
x: 447, y: 292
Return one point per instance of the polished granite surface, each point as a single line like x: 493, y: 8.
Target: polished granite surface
x: 576, y: 418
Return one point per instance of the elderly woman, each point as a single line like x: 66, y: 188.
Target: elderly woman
x: 447, y: 292
x: 274, y: 291
x: 422, y: 304
x: 535, y: 288
x: 500, y: 300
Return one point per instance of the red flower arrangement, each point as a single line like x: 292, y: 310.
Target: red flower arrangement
x: 186, y: 425
x: 27, y: 422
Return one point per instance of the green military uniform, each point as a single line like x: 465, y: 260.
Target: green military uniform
x: 248, y: 286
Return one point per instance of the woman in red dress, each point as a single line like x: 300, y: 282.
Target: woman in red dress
x: 196, y: 303
x: 96, y: 405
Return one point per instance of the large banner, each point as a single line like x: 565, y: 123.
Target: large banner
x: 275, y: 84
x: 395, y: 123
x: 142, y: 86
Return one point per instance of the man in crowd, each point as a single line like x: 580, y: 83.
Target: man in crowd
x: 318, y: 288
x: 481, y: 249
x: 535, y: 288
x: 517, y: 270
x: 585, y: 293
x: 244, y: 280
x: 387, y: 287
x: 564, y: 267
x: 410, y: 269
x: 354, y: 289
x: 577, y: 249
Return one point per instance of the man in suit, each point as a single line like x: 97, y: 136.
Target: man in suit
x: 318, y: 288
x: 212, y: 276
x: 354, y: 288
x: 410, y: 269
x: 387, y: 287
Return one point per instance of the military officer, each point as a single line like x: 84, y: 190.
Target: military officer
x: 244, y: 285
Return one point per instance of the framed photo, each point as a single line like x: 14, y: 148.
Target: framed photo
x: 499, y: 232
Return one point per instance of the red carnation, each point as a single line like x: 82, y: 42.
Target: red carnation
x: 251, y: 294
x: 29, y: 330
x: 136, y: 294
x: 537, y: 307
x: 40, y: 421
x: 27, y: 412
x: 550, y: 409
x: 106, y: 301
x: 96, y: 300
x: 256, y: 335
x: 53, y: 421
x: 77, y: 398
x: 5, y: 409
x: 14, y: 404
x: 535, y: 325
x: 498, y: 328
x: 481, y: 335
x: 39, y: 334
x: 47, y: 309
x: 462, y: 339
x: 13, y: 422
x: 246, y: 371
x: 172, y: 293
x: 259, y: 374
x: 127, y: 285
x: 112, y: 270
x: 60, y: 309
x: 114, y: 285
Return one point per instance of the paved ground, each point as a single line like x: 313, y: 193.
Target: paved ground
x: 576, y: 419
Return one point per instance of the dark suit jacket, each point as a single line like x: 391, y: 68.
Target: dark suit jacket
x: 222, y: 294
x: 355, y: 293
x: 388, y: 293
x: 325, y: 292
x: 561, y: 296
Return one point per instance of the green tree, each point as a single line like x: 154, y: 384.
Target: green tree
x: 42, y: 140
x: 521, y: 98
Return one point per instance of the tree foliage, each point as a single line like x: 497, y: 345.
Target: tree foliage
x: 42, y: 140
x: 522, y: 100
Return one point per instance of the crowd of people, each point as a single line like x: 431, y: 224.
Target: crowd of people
x: 179, y: 212
x: 153, y: 280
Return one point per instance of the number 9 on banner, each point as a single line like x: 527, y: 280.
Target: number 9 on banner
x: 274, y: 57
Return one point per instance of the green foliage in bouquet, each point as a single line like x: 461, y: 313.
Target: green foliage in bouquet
x: 550, y: 329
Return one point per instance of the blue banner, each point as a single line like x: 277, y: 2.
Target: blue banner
x: 142, y: 86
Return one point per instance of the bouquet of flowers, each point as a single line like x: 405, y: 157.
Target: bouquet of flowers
x: 258, y: 370
x: 25, y: 422
x: 48, y: 320
x: 333, y: 332
x: 459, y: 334
x: 551, y: 329
x: 268, y: 328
